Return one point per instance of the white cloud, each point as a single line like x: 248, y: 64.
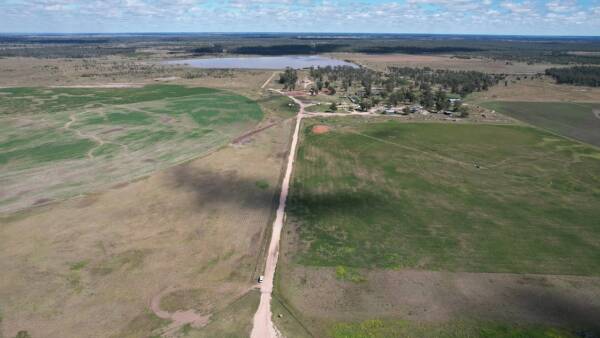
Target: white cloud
x: 430, y: 16
x: 559, y: 6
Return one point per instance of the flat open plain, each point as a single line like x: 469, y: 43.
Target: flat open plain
x: 447, y: 228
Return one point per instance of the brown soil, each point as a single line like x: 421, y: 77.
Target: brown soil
x: 320, y: 129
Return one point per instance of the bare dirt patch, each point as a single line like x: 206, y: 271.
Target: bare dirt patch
x: 178, y: 318
x: 320, y: 129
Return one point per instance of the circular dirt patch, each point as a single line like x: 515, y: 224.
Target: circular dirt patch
x: 320, y: 129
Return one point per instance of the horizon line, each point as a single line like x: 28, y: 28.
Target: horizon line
x: 299, y: 32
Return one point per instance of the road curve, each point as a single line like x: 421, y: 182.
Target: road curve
x: 263, y: 325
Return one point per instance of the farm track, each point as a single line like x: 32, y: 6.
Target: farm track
x: 263, y: 325
x: 242, y: 138
x: 100, y: 142
x: 80, y: 134
x: 268, y: 80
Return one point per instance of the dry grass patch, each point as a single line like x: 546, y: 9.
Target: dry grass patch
x: 91, y: 266
x: 481, y: 64
x: 536, y: 90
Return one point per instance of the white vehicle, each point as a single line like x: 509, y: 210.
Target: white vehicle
x: 261, y: 279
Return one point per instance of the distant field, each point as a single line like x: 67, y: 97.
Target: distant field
x: 532, y: 89
x: 580, y: 121
x: 80, y: 138
x: 477, y: 198
x: 379, y: 328
x: 476, y: 63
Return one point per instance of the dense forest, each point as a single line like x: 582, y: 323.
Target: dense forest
x: 579, y: 76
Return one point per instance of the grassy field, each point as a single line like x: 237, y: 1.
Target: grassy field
x: 580, y: 121
x: 439, y: 230
x: 532, y: 89
x: 191, y: 233
x: 107, y: 135
x: 477, y: 198
x: 382, y: 61
x: 380, y: 328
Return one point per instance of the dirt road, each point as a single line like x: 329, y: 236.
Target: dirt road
x: 263, y: 325
x: 268, y: 80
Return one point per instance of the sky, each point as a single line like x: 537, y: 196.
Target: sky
x: 520, y: 17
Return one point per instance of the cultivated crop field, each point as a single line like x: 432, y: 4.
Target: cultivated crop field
x: 437, y: 229
x: 434, y: 196
x: 60, y: 142
x: 580, y: 121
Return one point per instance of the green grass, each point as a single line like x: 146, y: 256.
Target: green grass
x: 348, y: 274
x: 575, y: 120
x: 48, y: 152
x: 125, y: 133
x: 128, y: 117
x: 262, y: 184
x: 398, y: 195
x: 76, y: 266
x: 49, y: 100
x: 215, y: 108
x: 385, y: 329
x: 280, y: 105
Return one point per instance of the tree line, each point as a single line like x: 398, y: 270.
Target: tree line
x: 578, y: 75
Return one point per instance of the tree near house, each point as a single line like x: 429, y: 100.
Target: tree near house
x: 441, y: 100
x: 288, y: 79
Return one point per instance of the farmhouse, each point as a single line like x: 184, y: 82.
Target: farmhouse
x: 415, y: 108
